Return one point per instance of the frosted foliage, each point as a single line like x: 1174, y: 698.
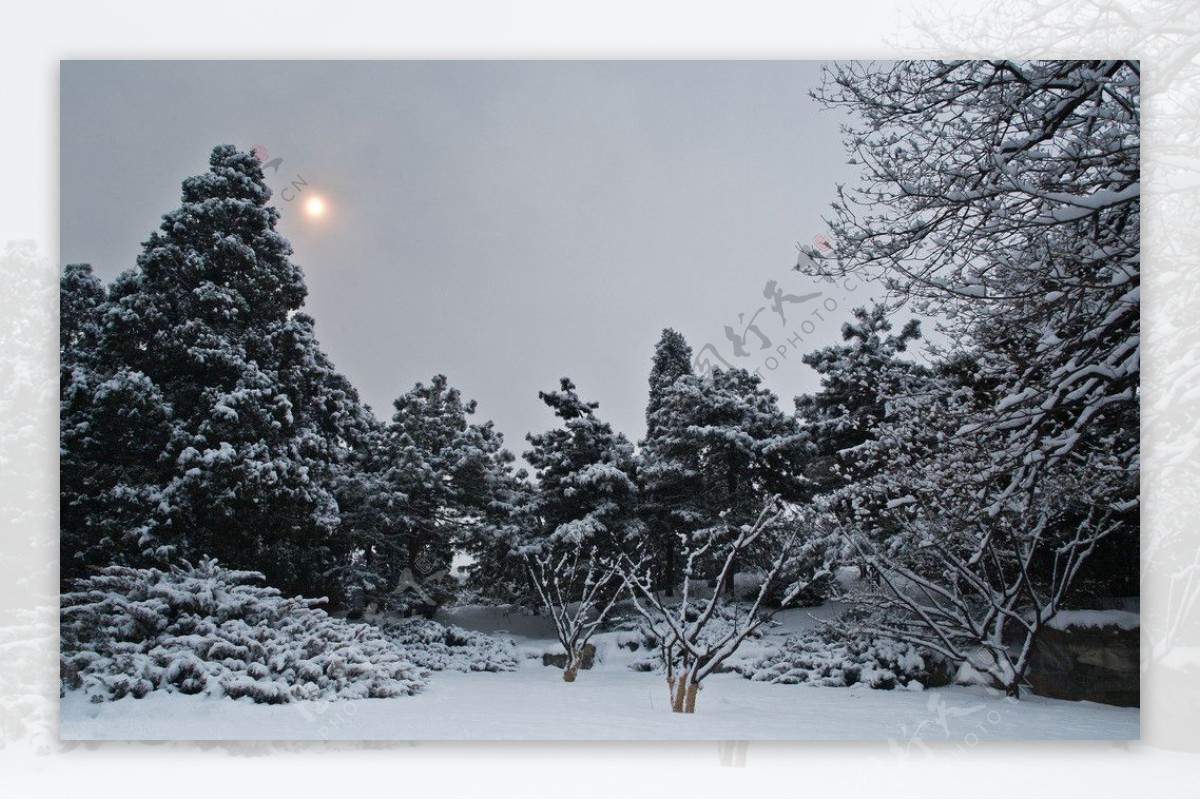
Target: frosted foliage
x: 437, y: 647
x: 209, y: 630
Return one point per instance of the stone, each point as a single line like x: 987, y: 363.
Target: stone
x: 586, y: 660
x: 1100, y: 664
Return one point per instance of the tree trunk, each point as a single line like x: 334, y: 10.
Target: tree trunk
x: 678, y: 692
x: 683, y: 694
x: 726, y: 587
x: 690, y: 703
x: 572, y: 666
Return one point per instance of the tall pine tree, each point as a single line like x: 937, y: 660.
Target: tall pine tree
x: 204, y: 337
x: 668, y: 485
x: 721, y: 447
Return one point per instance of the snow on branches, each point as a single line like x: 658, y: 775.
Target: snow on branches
x: 695, y: 635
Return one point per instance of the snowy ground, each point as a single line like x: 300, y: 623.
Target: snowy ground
x: 608, y: 702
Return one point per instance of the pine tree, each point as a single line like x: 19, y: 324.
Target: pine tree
x: 114, y: 425
x: 585, y: 476
x: 666, y: 485
x: 449, y: 482
x: 722, y: 447
x: 204, y: 337
x: 582, y: 516
x: 858, y: 381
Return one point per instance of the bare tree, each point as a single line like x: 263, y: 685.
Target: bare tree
x: 697, y: 635
x: 578, y: 588
x: 978, y: 590
x: 1002, y: 198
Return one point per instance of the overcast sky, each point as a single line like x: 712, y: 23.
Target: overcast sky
x: 504, y: 223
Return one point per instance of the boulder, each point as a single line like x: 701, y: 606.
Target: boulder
x: 586, y: 660
x: 1087, y: 662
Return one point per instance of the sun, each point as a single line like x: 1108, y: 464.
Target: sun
x: 315, y: 207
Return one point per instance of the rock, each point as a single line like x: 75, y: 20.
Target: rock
x: 939, y: 672
x: 587, y: 658
x: 1098, y: 663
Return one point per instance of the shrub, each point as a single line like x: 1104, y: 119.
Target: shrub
x: 207, y: 630
x: 437, y: 647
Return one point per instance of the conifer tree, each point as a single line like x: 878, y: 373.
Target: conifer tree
x: 585, y: 475
x: 204, y: 337
x: 448, y: 481
x: 667, y: 485
x: 722, y: 447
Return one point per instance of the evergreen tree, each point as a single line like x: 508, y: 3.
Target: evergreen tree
x: 858, y: 381
x: 114, y: 425
x: 204, y: 337
x: 585, y: 474
x: 722, y: 447
x: 672, y: 360
x: 449, y: 482
x: 666, y: 485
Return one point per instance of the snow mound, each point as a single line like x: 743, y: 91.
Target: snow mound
x: 437, y: 647
x: 207, y: 629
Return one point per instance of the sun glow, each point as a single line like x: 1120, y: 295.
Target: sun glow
x: 315, y: 207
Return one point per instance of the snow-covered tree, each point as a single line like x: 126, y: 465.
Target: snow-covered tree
x: 944, y: 572
x: 1001, y: 198
x: 580, y: 515
x: 858, y: 380
x: 578, y: 585
x: 672, y: 360
x: 114, y: 427
x: 1005, y: 197
x: 697, y: 634
x: 665, y: 484
x: 721, y: 447
x: 209, y: 369
x: 447, y: 470
x: 585, y: 477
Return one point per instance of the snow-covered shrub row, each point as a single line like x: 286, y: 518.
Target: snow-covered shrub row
x: 207, y: 629
x: 437, y: 647
x: 822, y: 658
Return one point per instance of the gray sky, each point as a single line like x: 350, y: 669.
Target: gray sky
x: 504, y: 223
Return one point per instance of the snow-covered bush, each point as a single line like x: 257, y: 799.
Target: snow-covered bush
x: 821, y: 658
x: 437, y: 647
x: 207, y: 629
